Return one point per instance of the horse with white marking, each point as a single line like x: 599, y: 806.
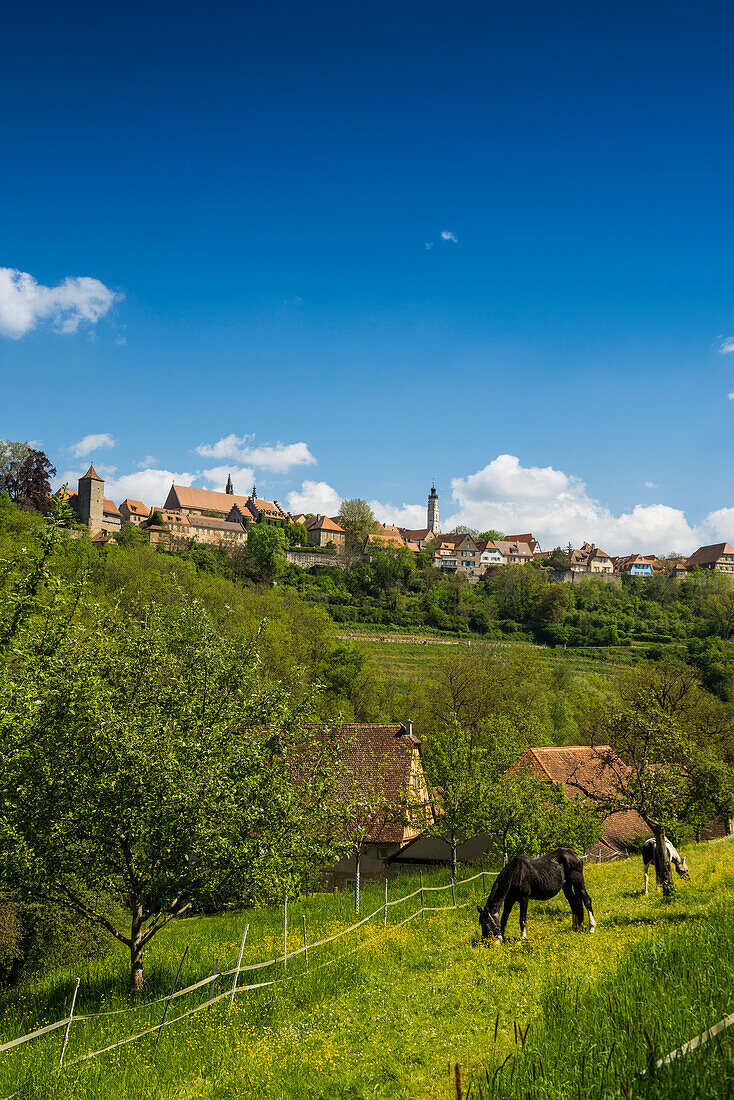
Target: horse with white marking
x: 649, y: 849
x: 525, y: 879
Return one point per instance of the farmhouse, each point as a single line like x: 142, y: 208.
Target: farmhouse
x: 579, y: 768
x: 384, y: 766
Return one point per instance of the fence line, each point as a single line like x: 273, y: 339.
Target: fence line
x: 235, y: 972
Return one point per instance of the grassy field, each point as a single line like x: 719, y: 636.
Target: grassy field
x: 566, y: 1013
x: 406, y: 662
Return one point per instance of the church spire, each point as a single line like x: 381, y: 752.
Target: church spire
x: 229, y: 488
x: 433, y: 521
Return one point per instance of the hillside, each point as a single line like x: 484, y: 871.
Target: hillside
x: 392, y: 1018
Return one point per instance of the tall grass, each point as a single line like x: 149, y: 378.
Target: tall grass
x: 392, y: 1018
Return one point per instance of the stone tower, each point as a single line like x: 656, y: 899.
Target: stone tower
x: 90, y: 500
x: 229, y: 488
x: 433, y: 520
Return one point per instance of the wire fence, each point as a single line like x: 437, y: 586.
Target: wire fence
x: 234, y: 974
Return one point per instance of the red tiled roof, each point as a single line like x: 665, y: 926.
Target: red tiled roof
x: 323, y: 523
x: 109, y: 507
x: 136, y: 507
x: 92, y: 473
x: 380, y: 757
x: 709, y: 555
x: 582, y: 766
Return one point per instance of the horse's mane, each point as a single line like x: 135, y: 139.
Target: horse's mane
x: 505, y: 879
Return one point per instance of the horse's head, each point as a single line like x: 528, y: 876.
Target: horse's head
x: 489, y: 923
x: 682, y: 868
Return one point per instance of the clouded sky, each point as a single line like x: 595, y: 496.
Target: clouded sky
x: 344, y: 249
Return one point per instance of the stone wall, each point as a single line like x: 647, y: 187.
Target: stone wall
x: 306, y: 559
x: 560, y: 576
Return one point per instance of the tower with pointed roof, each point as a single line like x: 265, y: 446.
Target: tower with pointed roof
x: 229, y: 489
x: 90, y: 500
x: 433, y: 521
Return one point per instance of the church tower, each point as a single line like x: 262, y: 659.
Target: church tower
x: 90, y: 500
x: 433, y: 520
x: 229, y: 488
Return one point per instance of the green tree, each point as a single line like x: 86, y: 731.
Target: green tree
x: 358, y: 521
x: 131, y: 535
x: 266, y: 546
x: 491, y: 535
x: 150, y: 762
x: 463, y: 767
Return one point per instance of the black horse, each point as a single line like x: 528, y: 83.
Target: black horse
x: 525, y: 879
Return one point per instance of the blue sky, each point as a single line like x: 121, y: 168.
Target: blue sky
x: 223, y: 215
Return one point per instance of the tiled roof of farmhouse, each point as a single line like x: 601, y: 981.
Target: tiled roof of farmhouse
x: 416, y: 535
x: 323, y: 523
x: 136, y: 507
x: 706, y: 555
x: 382, y: 754
x: 387, y: 534
x: 577, y: 766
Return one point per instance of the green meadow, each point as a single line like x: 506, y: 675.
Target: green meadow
x: 390, y: 1012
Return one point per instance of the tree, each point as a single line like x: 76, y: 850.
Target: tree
x: 649, y: 760
x: 358, y: 521
x: 463, y: 766
x: 491, y: 535
x: 132, y: 535
x: 557, y: 559
x: 266, y: 548
x: 150, y: 762
x: 25, y: 475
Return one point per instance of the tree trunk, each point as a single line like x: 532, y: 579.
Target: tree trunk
x: 454, y: 863
x: 663, y: 869
x: 136, y: 948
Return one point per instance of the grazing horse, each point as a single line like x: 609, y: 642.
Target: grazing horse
x: 648, y: 857
x: 525, y: 879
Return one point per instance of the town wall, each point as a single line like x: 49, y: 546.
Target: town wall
x: 306, y: 559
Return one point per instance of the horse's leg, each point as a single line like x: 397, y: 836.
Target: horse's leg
x: 646, y: 876
x: 509, y: 902
x: 573, y: 902
x: 586, y: 900
x: 523, y: 916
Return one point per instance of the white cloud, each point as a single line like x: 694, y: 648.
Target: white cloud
x: 24, y: 302
x: 242, y: 478
x: 314, y: 496
x: 407, y: 515
x: 429, y: 245
x: 149, y: 460
x: 447, y: 236
x: 720, y: 525
x: 278, y: 457
x: 651, y: 485
x: 93, y: 442
x: 558, y: 509
x: 731, y: 396
x: 726, y: 347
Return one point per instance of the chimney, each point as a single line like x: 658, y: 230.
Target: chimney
x: 409, y: 727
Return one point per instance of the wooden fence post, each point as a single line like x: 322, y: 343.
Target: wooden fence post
x: 305, y: 944
x: 237, y: 971
x: 423, y: 911
x: 170, y: 995
x: 384, y: 919
x: 68, y: 1025
x: 453, y: 894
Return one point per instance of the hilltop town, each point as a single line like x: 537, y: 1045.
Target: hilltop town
x: 193, y: 515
